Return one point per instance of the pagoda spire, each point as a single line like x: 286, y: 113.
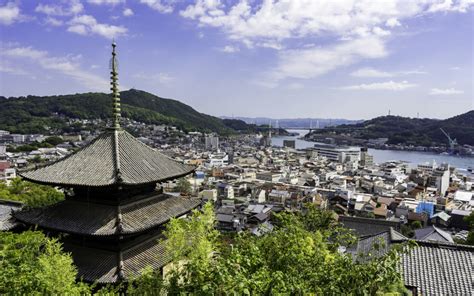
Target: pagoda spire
x: 114, y: 88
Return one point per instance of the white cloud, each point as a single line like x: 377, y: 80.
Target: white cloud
x: 374, y: 73
x: 127, y: 12
x: 411, y: 72
x: 87, y: 24
x: 380, y: 32
x: 315, y: 61
x: 229, y: 49
x: 163, y: 6
x: 447, y: 91
x: 295, y: 86
x: 108, y: 2
x: 68, y: 65
x: 279, y: 23
x: 369, y: 72
x: 53, y: 21
x: 455, y: 68
x: 392, y: 23
x: 360, y: 24
x: 6, y: 67
x: 281, y: 20
x: 450, y: 5
x: 389, y: 85
x: 9, y: 14
x: 74, y: 7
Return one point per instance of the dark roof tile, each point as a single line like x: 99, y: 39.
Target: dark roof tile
x: 101, y: 266
x: 101, y: 220
x: 115, y: 157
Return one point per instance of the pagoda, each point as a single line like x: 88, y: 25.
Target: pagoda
x: 114, y: 210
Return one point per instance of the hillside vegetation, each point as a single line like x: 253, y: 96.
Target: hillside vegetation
x: 404, y: 130
x: 35, y: 114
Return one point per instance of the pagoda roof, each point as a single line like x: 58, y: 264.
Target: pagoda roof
x: 83, y: 218
x: 151, y: 253
x: 113, y: 158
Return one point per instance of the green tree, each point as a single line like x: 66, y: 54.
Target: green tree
x: 407, y: 231
x: 470, y: 236
x: 183, y: 186
x: 33, y: 195
x: 300, y: 256
x: 54, y: 140
x: 416, y: 225
x: 32, y: 264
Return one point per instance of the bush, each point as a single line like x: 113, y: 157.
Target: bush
x: 31, y: 194
x: 32, y: 264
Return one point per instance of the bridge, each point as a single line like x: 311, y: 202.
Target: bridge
x: 299, y: 128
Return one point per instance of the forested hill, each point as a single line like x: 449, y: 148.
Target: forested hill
x: 35, y: 114
x: 404, y: 130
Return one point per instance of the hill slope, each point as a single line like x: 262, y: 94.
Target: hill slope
x: 404, y: 130
x: 34, y: 114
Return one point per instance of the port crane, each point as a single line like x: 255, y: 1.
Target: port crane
x: 452, y: 142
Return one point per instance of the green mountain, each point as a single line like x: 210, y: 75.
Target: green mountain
x: 404, y: 130
x: 35, y: 114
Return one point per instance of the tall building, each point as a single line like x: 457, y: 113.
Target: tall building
x: 366, y: 159
x: 211, y: 142
x: 114, y: 209
x: 441, y: 175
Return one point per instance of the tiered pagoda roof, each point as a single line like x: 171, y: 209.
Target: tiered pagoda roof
x: 113, y: 158
x: 79, y: 217
x: 100, y: 266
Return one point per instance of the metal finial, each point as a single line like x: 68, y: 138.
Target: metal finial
x: 114, y: 88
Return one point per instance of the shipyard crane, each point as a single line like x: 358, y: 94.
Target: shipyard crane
x: 452, y: 142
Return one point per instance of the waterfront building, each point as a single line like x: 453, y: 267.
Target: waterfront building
x: 114, y: 212
x: 366, y: 159
x: 336, y: 153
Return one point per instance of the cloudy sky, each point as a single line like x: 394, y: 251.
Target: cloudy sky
x: 293, y: 58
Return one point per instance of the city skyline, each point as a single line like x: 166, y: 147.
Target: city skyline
x: 327, y: 59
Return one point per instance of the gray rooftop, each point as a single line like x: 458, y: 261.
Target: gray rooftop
x: 433, y: 268
x: 7, y: 222
x: 82, y: 218
x: 115, y: 157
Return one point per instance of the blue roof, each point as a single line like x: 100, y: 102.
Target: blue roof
x: 426, y: 207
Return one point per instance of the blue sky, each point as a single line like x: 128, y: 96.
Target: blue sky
x: 298, y: 58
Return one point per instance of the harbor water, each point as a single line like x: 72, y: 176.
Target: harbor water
x: 411, y: 157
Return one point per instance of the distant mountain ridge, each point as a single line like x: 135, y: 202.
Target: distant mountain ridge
x: 33, y: 114
x: 404, y: 130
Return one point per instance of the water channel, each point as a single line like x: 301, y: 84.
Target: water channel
x: 412, y: 157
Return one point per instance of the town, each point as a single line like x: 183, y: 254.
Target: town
x: 248, y: 179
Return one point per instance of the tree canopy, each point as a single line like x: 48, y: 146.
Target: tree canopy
x: 300, y: 256
x: 31, y: 194
x: 183, y: 186
x: 32, y: 264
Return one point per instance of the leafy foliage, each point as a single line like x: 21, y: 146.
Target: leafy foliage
x: 33, y: 195
x: 300, y: 256
x: 32, y: 264
x: 470, y: 236
x: 183, y: 186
